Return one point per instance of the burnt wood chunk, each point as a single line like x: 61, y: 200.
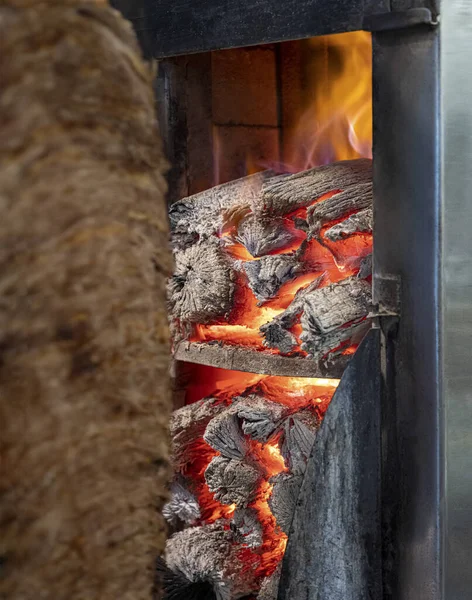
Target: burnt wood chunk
x: 283, y: 499
x: 283, y: 195
x: 260, y: 418
x: 248, y: 527
x: 262, y: 236
x: 201, y: 289
x: 224, y: 434
x: 270, y: 585
x: 267, y: 275
x: 360, y: 222
x: 365, y: 269
x: 334, y: 545
x: 299, y: 434
x: 352, y: 199
x: 183, y: 506
x: 233, y: 481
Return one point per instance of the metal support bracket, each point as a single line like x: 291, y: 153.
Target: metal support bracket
x: 400, y: 20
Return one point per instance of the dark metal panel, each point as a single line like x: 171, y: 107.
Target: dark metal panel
x: 406, y: 175
x: 333, y: 551
x: 456, y: 86
x: 185, y: 26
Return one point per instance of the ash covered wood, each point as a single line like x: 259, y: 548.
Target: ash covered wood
x: 183, y: 506
x: 286, y: 194
x: 352, y: 199
x: 206, y: 560
x: 262, y: 236
x: 360, y: 222
x: 283, y: 498
x: 187, y: 426
x: 233, y: 481
x: 201, y: 289
x: 247, y: 525
x: 331, y: 315
x: 267, y: 275
x: 224, y: 434
x: 328, y: 348
x: 365, y: 269
x: 270, y: 586
x: 298, y: 437
x: 261, y: 418
x: 276, y: 333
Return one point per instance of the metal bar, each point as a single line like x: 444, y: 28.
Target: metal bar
x: 456, y: 294
x: 406, y: 215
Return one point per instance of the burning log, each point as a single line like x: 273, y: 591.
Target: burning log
x: 360, y: 222
x: 270, y: 585
x: 203, y: 562
x: 201, y: 289
x: 263, y: 236
x: 298, y: 437
x: 223, y: 434
x: 248, y: 527
x: 233, y: 481
x: 283, y: 195
x: 353, y: 199
x: 267, y: 275
x: 283, y: 499
x: 331, y: 315
x: 276, y: 333
x: 183, y: 506
x: 187, y: 426
x: 261, y: 418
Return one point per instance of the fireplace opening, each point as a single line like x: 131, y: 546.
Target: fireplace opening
x: 271, y: 227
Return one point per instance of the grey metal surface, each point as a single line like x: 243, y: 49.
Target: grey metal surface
x: 406, y: 211
x: 333, y: 551
x: 456, y: 86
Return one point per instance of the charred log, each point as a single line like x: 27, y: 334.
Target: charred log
x: 353, y: 199
x: 201, y: 289
x: 360, y: 222
x: 248, y: 527
x: 261, y: 418
x: 187, y: 426
x: 327, y: 348
x: 267, y: 275
x: 365, y: 269
x: 262, y: 236
x: 223, y: 434
x: 183, y: 506
x: 233, y: 481
x: 283, y: 499
x: 206, y: 557
x: 283, y: 195
x: 298, y: 437
x: 270, y: 585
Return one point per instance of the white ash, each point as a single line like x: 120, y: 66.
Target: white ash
x: 233, y: 481
x: 360, y: 222
x: 283, y: 499
x: 248, y: 527
x: 210, y: 554
x: 267, y: 275
x: 201, y: 289
x: 183, y: 506
x: 224, y: 434
x: 297, y: 440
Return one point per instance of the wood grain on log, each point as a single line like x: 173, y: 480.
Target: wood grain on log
x: 360, y: 222
x: 261, y: 236
x: 237, y: 358
x: 299, y: 434
x: 338, y: 556
x: 286, y: 194
x: 283, y: 499
x: 267, y: 275
x: 260, y: 418
x: 223, y: 433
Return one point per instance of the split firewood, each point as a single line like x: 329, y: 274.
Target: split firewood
x: 233, y: 481
x: 261, y: 418
x: 267, y: 275
x: 283, y: 195
x: 247, y: 525
x: 354, y: 198
x: 224, y: 434
x: 283, y: 499
x: 201, y: 289
x: 299, y: 433
x: 270, y: 586
x: 262, y: 236
x: 360, y: 222
x: 204, y: 562
x: 187, y: 426
x: 276, y: 333
x: 183, y: 506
